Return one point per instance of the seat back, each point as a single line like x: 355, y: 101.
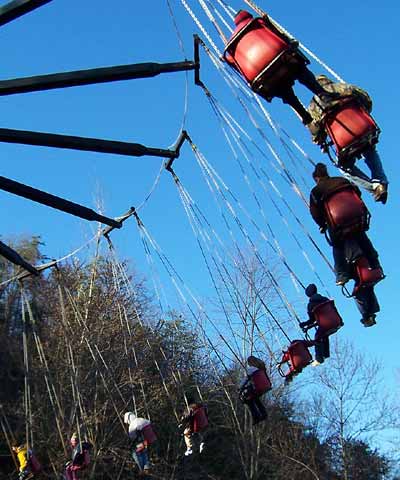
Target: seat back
x: 86, y: 459
x: 367, y: 276
x: 34, y: 463
x: 327, y: 318
x: 253, y: 47
x: 345, y: 213
x: 351, y: 129
x: 261, y: 382
x: 299, y: 355
x: 81, y: 455
x: 200, y: 420
x: 149, y: 434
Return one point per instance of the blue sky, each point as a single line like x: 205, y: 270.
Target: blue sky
x: 358, y: 39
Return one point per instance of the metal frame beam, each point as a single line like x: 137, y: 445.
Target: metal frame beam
x: 14, y: 257
x: 91, y: 76
x: 100, y: 75
x: 53, y: 201
x: 86, y: 144
x: 17, y: 8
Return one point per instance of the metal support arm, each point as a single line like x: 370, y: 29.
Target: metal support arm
x: 82, y: 143
x: 58, y: 203
x: 91, y: 76
x: 12, y: 10
x: 16, y: 258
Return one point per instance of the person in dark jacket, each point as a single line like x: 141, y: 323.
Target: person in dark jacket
x: 283, y: 89
x: 346, y: 250
x: 321, y: 346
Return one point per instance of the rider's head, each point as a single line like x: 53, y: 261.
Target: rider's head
x: 320, y: 171
x: 311, y: 290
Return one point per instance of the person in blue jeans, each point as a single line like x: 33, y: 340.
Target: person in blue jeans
x: 377, y: 183
x: 140, y: 452
x: 346, y: 250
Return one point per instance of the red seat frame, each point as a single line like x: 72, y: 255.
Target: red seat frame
x: 200, y: 419
x: 261, y: 382
x: 297, y: 356
x: 149, y: 434
x: 346, y: 214
x: 366, y: 276
x: 264, y: 59
x: 351, y: 129
x: 327, y: 319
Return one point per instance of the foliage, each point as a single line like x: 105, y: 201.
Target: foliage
x: 97, y: 346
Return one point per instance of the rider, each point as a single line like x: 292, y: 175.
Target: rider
x: 321, y: 345
x: 320, y: 105
x: 261, y: 82
x: 135, y: 431
x: 248, y: 392
x: 192, y: 427
x: 347, y: 249
x: 23, y: 454
x: 80, y: 457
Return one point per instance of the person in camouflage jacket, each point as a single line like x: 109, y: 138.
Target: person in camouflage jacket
x: 379, y: 182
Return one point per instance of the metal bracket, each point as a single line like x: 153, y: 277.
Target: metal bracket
x: 106, y: 231
x: 177, y: 149
x: 197, y: 42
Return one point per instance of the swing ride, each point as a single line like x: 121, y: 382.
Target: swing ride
x: 257, y: 58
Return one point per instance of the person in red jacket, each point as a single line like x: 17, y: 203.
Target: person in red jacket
x: 249, y: 394
x: 194, y: 421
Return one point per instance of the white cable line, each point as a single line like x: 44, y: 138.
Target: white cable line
x: 302, y: 46
x: 200, y: 26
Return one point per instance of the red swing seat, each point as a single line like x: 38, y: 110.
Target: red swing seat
x: 351, y: 129
x: 366, y: 276
x: 149, y: 434
x: 327, y: 319
x: 265, y: 60
x: 297, y: 356
x: 345, y: 213
x: 34, y: 464
x: 200, y: 420
x: 261, y: 382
